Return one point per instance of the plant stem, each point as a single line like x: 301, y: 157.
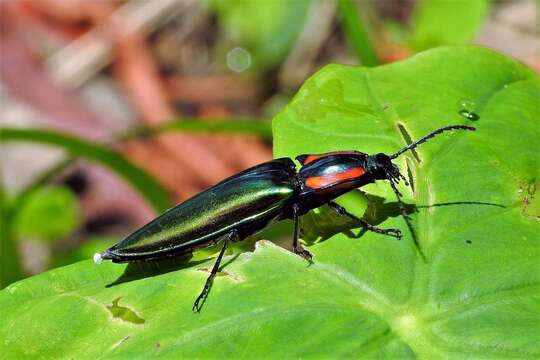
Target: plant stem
x: 153, y: 192
x: 10, y: 268
x: 357, y: 33
x: 212, y: 126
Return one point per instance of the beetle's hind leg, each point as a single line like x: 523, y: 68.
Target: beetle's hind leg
x: 297, y: 248
x: 342, y: 211
x: 197, y: 305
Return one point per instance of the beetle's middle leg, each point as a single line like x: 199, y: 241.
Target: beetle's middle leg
x: 197, y: 305
x: 297, y: 248
x: 342, y: 211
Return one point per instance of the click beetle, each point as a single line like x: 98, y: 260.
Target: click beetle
x: 251, y: 200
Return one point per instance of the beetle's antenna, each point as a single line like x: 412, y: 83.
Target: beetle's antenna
x: 429, y: 136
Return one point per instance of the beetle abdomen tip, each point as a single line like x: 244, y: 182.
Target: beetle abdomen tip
x: 98, y: 259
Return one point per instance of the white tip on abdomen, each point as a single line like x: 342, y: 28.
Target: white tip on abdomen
x: 97, y: 258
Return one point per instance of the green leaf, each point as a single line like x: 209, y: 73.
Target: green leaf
x: 267, y: 29
x: 475, y: 294
x: 446, y: 22
x: 481, y: 264
x: 154, y: 193
x: 48, y: 214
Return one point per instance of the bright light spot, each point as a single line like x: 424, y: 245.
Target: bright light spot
x: 97, y: 258
x: 238, y: 59
x: 407, y: 322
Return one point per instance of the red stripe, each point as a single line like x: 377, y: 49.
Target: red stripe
x: 317, y: 182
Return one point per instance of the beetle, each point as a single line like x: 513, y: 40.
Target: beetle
x: 253, y: 199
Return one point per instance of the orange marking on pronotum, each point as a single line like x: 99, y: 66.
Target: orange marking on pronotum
x: 317, y: 182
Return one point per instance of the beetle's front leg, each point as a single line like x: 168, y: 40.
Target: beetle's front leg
x: 297, y: 248
x: 342, y: 211
x: 197, y: 305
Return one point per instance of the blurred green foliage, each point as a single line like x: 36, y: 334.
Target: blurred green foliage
x: 48, y: 214
x: 267, y: 29
x: 442, y: 22
x: 433, y: 23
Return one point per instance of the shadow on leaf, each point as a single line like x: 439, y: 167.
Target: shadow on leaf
x: 143, y: 269
x: 318, y: 227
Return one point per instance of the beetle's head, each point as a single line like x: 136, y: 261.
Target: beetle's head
x: 381, y: 167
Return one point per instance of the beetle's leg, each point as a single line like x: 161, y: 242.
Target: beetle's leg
x: 297, y: 248
x: 342, y: 211
x: 197, y: 305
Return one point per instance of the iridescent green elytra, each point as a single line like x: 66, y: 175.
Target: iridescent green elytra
x: 247, y: 202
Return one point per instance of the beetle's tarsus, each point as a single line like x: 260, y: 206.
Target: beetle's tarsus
x: 342, y: 211
x: 389, y: 232
x: 393, y: 232
x: 198, y: 303
x: 299, y: 250
x: 196, y: 307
